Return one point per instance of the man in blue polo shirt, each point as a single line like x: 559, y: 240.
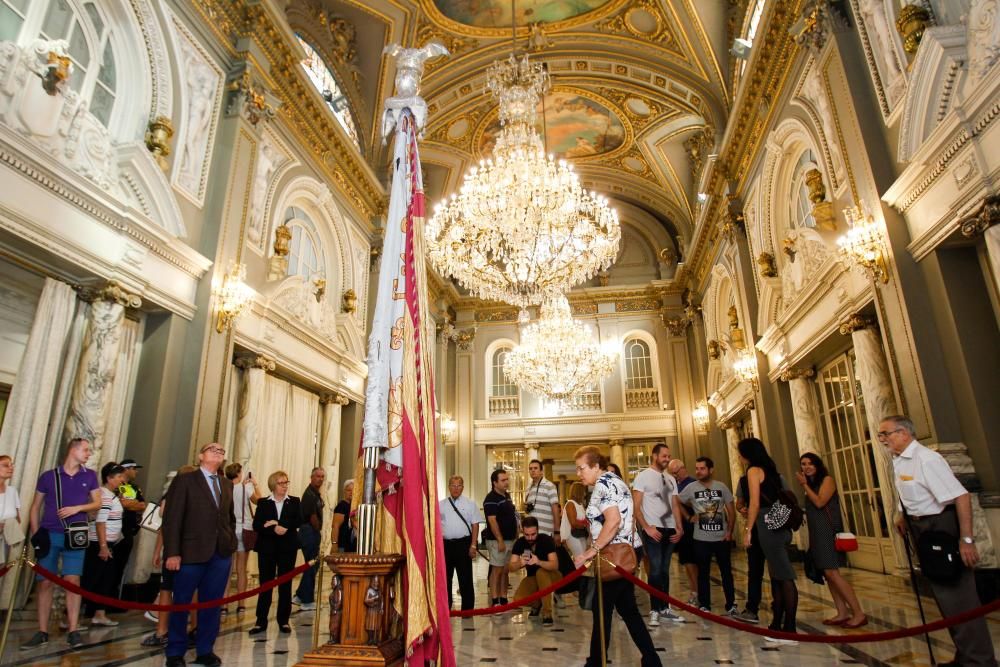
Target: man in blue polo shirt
x: 81, y: 493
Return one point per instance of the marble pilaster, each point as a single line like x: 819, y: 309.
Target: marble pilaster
x: 332, y: 406
x: 90, y: 397
x: 617, y: 454
x: 805, y: 412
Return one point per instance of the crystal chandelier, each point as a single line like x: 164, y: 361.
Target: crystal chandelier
x: 862, y: 244
x: 557, y: 357
x: 521, y: 229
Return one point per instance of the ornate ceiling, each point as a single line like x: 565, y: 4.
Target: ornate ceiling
x: 637, y: 98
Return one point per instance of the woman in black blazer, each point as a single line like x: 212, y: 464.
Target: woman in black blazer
x: 276, y: 523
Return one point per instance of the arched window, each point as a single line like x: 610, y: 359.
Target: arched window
x: 303, y: 250
x: 758, y: 11
x: 88, y: 33
x: 501, y: 384
x: 638, y: 365
x: 801, y: 205
x: 326, y: 84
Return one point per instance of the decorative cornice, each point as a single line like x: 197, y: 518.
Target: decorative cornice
x: 248, y: 361
x: 987, y: 215
x: 788, y: 374
x: 855, y: 322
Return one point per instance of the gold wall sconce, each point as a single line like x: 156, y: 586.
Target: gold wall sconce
x: 232, y: 297
x: 701, y: 417
x: 158, y: 134
x: 58, y: 69
x: 911, y: 23
x: 862, y: 244
x: 350, y: 301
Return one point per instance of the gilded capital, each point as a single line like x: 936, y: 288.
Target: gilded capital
x: 788, y: 374
x: 113, y: 293
x: 334, y: 398
x: 855, y: 322
x: 248, y: 361
x: 987, y: 215
x: 464, y: 338
x: 616, y: 442
x: 677, y: 326
x: 911, y: 23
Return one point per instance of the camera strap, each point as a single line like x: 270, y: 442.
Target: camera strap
x: 59, y: 496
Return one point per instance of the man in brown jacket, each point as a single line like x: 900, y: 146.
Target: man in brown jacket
x: 199, y: 538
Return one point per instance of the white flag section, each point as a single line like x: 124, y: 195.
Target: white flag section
x: 383, y: 396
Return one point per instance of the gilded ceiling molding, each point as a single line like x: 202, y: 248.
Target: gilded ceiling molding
x: 523, y: 32
x: 746, y: 135
x: 308, y: 119
x: 636, y: 17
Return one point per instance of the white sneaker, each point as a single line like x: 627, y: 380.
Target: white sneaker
x: 654, y: 619
x: 671, y: 616
x: 151, y: 616
x: 296, y: 601
x: 308, y: 606
x: 782, y: 642
x: 693, y: 600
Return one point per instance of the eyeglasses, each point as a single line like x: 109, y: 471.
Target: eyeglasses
x: 882, y: 435
x: 284, y: 483
x: 217, y: 450
x: 581, y: 468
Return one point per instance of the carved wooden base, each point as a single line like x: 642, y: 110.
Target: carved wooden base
x: 365, y: 630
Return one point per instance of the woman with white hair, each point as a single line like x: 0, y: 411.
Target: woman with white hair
x: 344, y: 536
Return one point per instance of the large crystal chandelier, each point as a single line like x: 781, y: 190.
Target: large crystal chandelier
x: 521, y: 229
x: 557, y: 357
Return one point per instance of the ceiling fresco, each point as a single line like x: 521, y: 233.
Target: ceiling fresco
x: 496, y: 13
x: 574, y: 126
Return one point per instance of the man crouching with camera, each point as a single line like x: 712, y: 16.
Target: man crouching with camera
x: 536, y: 553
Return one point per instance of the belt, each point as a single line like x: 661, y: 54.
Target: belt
x: 948, y: 508
x: 458, y: 539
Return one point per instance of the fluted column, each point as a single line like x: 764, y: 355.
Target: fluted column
x: 90, y: 398
x: 872, y: 371
x: 329, y: 447
x: 805, y: 412
x: 251, y: 408
x: 617, y: 447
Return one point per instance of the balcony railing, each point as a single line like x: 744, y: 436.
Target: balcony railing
x: 505, y: 406
x: 587, y: 402
x: 638, y: 399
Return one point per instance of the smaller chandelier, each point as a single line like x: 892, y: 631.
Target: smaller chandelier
x: 558, y: 358
x: 700, y: 416
x: 745, y: 367
x: 862, y: 244
x: 232, y: 297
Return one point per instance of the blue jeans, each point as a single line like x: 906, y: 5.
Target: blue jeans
x: 209, y: 579
x: 659, y: 564
x: 309, y: 541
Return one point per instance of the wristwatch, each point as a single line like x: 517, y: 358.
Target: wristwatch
x: 969, y: 540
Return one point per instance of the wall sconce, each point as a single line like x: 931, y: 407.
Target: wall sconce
x: 911, y: 23
x: 745, y: 368
x: 350, y: 301
x: 58, y: 69
x: 158, y: 134
x: 862, y: 244
x: 448, y: 427
x: 233, y: 297
x: 700, y: 416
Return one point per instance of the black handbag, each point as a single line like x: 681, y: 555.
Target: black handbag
x: 940, y: 559
x: 76, y: 534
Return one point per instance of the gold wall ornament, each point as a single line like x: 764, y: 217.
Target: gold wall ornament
x: 855, y: 322
x: 987, y: 215
x: 668, y: 256
x: 158, y: 134
x: 822, y: 210
x: 249, y: 100
x: 465, y: 337
x: 698, y: 146
x: 863, y: 246
x: 788, y: 247
x: 603, y: 278
x: 911, y: 22
x: 788, y: 374
x: 319, y: 288
x: 537, y: 40
x: 246, y: 361
x: 58, y: 69
x: 714, y: 349
x: 350, y: 301
x: 277, y: 265
x: 768, y: 268
x: 676, y: 326
x: 232, y: 297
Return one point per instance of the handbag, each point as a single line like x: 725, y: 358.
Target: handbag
x: 843, y: 542
x: 249, y: 534
x: 76, y: 534
x: 621, y: 554
x: 152, y: 517
x: 940, y: 558
x: 784, y: 512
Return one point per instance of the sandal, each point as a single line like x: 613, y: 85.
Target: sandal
x: 835, y: 621
x: 854, y: 626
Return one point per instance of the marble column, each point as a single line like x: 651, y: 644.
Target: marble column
x: 680, y: 375
x: 984, y: 221
x: 805, y: 412
x: 329, y: 448
x: 872, y: 372
x: 91, y: 394
x: 251, y: 408
x: 617, y: 447
x: 735, y: 467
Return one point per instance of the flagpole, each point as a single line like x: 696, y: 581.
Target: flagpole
x: 368, y: 508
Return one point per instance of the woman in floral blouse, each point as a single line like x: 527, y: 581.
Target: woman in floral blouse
x: 610, y: 516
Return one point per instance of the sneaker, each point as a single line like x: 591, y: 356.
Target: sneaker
x: 308, y: 606
x: 535, y: 611
x: 654, y: 619
x: 781, y: 642
x: 547, y: 620
x: 671, y: 617
x: 748, y: 616
x: 733, y: 611
x: 296, y: 601
x: 151, y: 616
x: 705, y: 609
x: 153, y: 640
x: 37, y: 639
x: 693, y: 600
x: 74, y: 639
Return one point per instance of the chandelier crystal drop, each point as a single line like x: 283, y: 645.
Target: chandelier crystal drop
x: 558, y: 357
x: 521, y: 229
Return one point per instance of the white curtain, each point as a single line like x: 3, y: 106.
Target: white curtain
x: 288, y: 434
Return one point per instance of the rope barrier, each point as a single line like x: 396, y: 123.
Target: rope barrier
x: 534, y: 597
x: 5, y: 568
x: 815, y: 639
x: 192, y: 606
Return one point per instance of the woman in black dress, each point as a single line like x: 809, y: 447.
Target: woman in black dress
x: 276, y: 522
x: 823, y: 516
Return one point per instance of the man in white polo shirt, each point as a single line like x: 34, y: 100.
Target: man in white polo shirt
x: 460, y: 519
x: 935, y: 500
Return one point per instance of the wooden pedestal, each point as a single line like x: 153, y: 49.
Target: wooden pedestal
x: 365, y: 630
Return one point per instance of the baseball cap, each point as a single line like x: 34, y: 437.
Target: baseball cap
x: 129, y: 463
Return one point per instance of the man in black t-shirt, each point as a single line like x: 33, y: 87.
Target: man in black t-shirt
x: 501, y: 529
x: 536, y: 553
x: 309, y: 536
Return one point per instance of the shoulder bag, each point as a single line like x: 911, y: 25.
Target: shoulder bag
x: 621, y: 554
x: 940, y: 558
x: 76, y: 534
x: 784, y: 512
x: 844, y: 542
x: 249, y: 534
x: 455, y: 507
x: 152, y: 518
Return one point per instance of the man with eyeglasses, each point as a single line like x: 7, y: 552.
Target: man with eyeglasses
x: 654, y: 492
x: 199, y: 538
x: 934, y: 500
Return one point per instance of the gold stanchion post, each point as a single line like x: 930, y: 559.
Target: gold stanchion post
x: 18, y: 566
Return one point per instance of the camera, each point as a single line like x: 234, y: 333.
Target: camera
x: 529, y: 508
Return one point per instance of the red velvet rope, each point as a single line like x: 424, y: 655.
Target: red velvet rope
x: 816, y: 639
x: 534, y: 597
x: 191, y: 606
x: 4, y: 570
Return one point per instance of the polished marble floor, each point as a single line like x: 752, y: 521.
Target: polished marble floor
x: 514, y: 639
